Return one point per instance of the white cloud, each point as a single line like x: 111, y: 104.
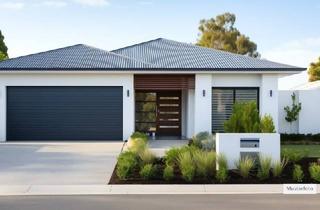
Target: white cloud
x: 296, y: 52
x: 55, y: 3
x: 12, y: 5
x: 94, y: 3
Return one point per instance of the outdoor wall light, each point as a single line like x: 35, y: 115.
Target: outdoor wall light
x: 270, y: 92
x: 204, y: 93
x: 128, y: 93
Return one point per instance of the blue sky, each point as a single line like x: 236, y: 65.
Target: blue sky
x: 286, y: 31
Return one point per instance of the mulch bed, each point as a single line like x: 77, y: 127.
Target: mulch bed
x: 234, y: 177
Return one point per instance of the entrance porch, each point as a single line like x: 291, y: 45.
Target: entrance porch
x: 164, y: 106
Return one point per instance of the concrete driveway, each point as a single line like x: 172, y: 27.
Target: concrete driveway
x: 57, y: 163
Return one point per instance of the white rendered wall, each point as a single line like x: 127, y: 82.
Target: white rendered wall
x: 190, y: 113
x: 228, y: 144
x: 269, y: 104
x: 202, y: 108
x: 72, y: 79
x: 309, y: 117
x: 285, y: 100
x: 236, y: 80
x: 3, y: 112
x: 265, y: 82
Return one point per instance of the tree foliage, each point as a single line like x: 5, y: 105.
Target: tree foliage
x: 245, y: 118
x: 220, y: 33
x: 3, y: 56
x: 3, y: 48
x: 314, y: 71
x: 293, y: 111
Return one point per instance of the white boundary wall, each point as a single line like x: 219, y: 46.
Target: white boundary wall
x: 96, y: 79
x: 228, y: 144
x: 285, y: 100
x: 309, y: 117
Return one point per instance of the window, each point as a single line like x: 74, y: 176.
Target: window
x: 146, y: 117
x: 223, y: 100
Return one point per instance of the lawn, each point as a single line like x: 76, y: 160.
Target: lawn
x: 312, y: 150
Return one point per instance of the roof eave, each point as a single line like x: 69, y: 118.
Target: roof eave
x: 156, y: 69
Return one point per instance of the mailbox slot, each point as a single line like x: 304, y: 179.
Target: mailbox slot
x: 250, y: 143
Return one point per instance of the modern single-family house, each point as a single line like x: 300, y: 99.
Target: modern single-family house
x: 159, y: 86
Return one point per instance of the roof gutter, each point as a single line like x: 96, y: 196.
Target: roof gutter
x: 148, y: 72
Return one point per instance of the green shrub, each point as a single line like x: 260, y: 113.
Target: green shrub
x: 148, y: 171
x: 244, y: 165
x: 137, y: 145
x: 127, y: 162
x: 186, y: 166
x: 222, y: 175
x: 205, y: 163
x: 278, y: 167
x: 139, y: 135
x: 314, y: 170
x: 222, y: 172
x: 308, y: 138
x: 192, y: 149
x: 293, y: 156
x: 297, y: 174
x: 171, y: 156
x: 264, y: 168
x: 266, y: 124
x: 250, y: 117
x: 222, y: 161
x: 147, y: 157
x: 204, y: 140
x: 168, y: 173
x: 244, y: 119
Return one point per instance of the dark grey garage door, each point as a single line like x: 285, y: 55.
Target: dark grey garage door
x: 64, y: 113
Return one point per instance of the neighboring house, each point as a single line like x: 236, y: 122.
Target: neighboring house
x: 309, y: 117
x: 162, y: 86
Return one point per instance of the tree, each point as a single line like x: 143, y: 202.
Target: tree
x: 3, y: 48
x: 2, y: 56
x: 293, y: 111
x: 220, y: 33
x: 314, y: 71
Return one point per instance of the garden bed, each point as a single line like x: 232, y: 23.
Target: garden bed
x: 233, y: 176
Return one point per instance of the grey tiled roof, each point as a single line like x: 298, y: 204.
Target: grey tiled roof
x: 163, y: 53
x: 158, y: 54
x: 75, y: 57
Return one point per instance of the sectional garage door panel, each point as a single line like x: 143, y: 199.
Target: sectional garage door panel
x: 64, y: 113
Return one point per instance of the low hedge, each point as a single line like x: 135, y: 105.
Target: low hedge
x: 300, y: 138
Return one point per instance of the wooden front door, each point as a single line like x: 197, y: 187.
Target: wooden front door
x: 169, y: 113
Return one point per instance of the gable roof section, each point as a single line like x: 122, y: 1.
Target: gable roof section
x: 77, y: 57
x: 163, y: 53
x: 155, y: 55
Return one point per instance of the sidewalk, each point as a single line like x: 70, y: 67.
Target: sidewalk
x: 139, y: 189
